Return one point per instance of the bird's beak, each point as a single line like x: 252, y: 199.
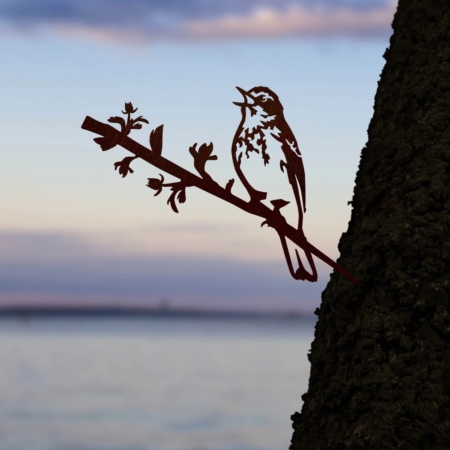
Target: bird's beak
x: 249, y: 99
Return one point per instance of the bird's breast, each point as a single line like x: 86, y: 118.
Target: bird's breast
x: 251, y: 149
x: 257, y: 140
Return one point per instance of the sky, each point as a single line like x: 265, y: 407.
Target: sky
x: 73, y: 231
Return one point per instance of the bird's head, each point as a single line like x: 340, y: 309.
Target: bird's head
x: 260, y: 99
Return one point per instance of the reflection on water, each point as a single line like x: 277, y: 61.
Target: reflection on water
x: 151, y: 384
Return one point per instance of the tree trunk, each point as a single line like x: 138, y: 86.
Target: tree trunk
x: 380, y: 360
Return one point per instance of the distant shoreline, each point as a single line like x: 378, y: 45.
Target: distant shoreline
x: 122, y: 312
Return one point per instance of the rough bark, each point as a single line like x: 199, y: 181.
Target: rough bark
x: 380, y: 360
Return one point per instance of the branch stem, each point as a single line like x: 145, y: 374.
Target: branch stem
x: 208, y: 185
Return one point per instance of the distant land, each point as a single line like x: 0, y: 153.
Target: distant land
x: 161, y: 311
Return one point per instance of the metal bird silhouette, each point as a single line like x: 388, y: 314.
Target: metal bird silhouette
x: 263, y: 118
x: 262, y: 123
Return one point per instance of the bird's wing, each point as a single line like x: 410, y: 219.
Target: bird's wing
x: 294, y: 167
x: 296, y: 174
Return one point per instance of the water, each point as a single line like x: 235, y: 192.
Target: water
x: 151, y: 384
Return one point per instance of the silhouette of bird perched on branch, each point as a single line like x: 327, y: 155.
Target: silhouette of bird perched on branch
x: 262, y: 122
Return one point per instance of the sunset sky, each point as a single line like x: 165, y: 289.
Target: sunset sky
x: 72, y: 231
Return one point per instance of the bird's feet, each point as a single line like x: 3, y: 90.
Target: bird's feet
x: 277, y: 216
x: 301, y: 273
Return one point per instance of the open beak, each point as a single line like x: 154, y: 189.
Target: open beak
x: 249, y: 99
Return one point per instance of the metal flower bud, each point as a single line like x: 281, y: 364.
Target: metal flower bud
x: 156, y: 184
x: 129, y: 108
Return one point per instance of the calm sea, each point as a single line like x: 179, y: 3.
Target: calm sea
x: 151, y: 383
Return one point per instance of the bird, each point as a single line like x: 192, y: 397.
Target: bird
x: 263, y: 123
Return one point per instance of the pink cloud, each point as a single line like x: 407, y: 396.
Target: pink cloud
x: 295, y: 21
x: 264, y: 23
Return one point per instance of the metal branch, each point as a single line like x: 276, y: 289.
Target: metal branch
x: 209, y: 185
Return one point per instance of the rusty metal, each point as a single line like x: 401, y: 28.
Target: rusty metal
x: 249, y: 142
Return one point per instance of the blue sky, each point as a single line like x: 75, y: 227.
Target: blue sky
x: 72, y: 230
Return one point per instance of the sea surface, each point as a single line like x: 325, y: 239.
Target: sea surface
x: 151, y: 383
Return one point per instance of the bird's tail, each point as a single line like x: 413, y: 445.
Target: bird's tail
x: 300, y: 273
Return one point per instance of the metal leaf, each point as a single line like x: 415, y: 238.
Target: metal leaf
x: 172, y: 202
x: 119, y: 120
x: 106, y: 143
x: 124, y: 166
x: 156, y: 140
x: 140, y: 119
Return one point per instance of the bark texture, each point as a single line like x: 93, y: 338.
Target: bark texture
x: 380, y: 360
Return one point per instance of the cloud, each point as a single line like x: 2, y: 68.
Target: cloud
x: 294, y: 22
x: 123, y: 21
x: 60, y: 268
